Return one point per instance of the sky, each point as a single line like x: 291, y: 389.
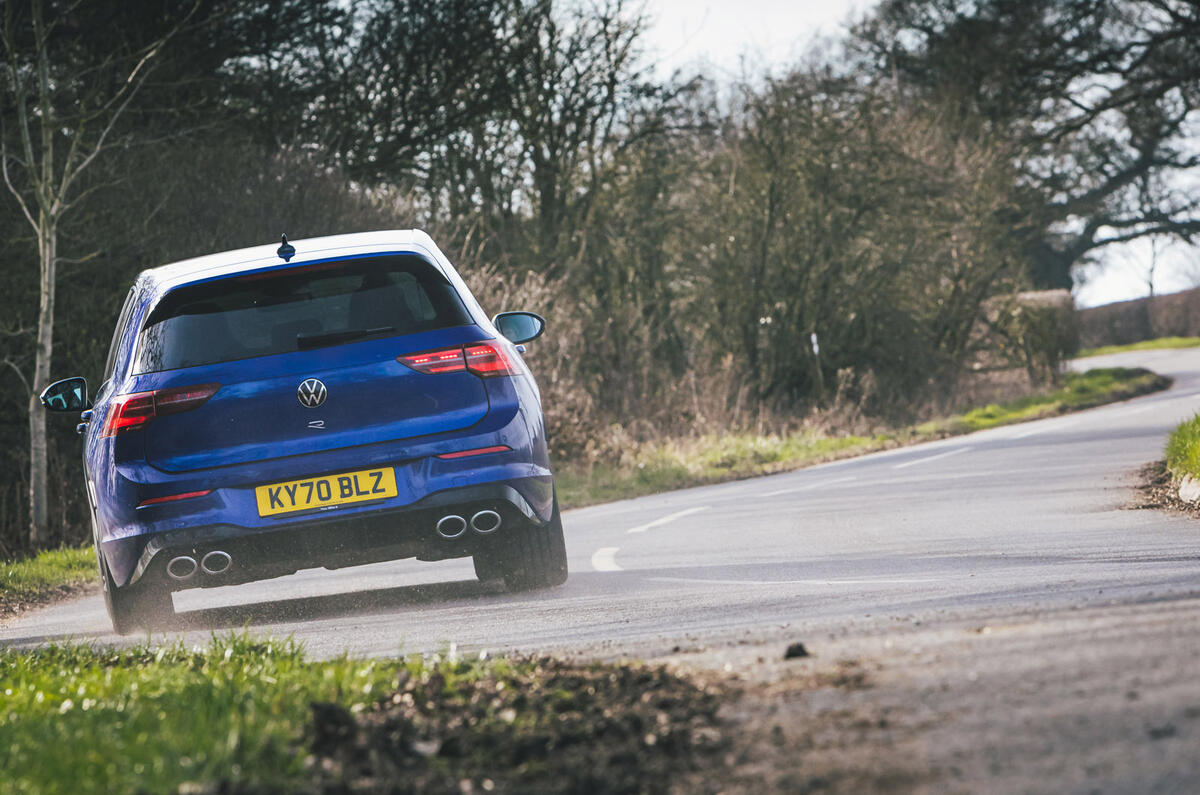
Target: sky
x: 725, y: 34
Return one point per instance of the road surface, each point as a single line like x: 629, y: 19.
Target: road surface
x: 1029, y: 516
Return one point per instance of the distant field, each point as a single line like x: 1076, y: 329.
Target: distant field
x: 1162, y: 343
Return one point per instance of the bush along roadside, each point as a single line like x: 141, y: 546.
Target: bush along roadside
x: 673, y: 464
x: 249, y: 715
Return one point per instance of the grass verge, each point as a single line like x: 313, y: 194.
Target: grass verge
x: 1183, y: 449
x: 679, y: 463
x: 1162, y: 343
x: 46, y: 575
x: 247, y: 715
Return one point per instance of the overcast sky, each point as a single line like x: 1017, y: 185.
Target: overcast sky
x: 772, y: 33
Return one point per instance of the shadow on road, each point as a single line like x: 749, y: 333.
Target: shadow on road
x: 314, y: 608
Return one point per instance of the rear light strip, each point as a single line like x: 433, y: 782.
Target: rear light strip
x: 174, y: 497
x: 500, y: 448
x: 484, y: 359
x: 136, y: 410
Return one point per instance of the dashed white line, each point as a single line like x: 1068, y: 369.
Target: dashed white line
x: 605, y: 559
x: 1052, y: 427
x: 808, y: 486
x: 667, y: 519
x: 927, y: 459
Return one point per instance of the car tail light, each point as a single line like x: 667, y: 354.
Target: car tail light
x: 484, y: 359
x: 446, y: 360
x: 487, y: 360
x: 134, y: 411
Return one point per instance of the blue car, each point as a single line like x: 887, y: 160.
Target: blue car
x: 324, y: 403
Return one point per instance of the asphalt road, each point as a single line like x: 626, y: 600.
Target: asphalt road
x: 1026, y: 517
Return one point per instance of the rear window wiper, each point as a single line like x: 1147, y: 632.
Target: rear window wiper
x: 306, y: 341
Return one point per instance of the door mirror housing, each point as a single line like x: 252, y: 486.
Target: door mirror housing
x: 70, y: 394
x: 519, y: 327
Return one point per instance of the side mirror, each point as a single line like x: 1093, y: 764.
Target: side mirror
x: 70, y: 394
x: 519, y: 327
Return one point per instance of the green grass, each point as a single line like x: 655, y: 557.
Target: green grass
x: 78, y: 719
x: 1079, y: 391
x: 32, y: 578
x: 1161, y: 343
x: 1183, y: 449
x: 662, y: 466
x: 251, y: 715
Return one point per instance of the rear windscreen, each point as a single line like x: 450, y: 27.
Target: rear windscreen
x: 310, y: 306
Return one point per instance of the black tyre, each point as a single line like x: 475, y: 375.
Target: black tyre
x: 488, y: 566
x: 134, y: 607
x: 537, y: 556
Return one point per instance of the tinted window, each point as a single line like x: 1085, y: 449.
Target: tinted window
x: 305, y: 307
x: 111, y: 362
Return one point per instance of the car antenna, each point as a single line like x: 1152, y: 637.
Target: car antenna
x: 286, y: 250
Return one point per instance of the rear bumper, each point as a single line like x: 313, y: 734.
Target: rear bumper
x: 331, y: 542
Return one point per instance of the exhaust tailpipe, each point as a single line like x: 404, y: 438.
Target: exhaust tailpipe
x: 216, y: 562
x: 485, y: 522
x: 181, y: 568
x: 451, y: 526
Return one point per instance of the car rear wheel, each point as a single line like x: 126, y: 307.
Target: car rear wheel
x: 139, y: 606
x: 536, y: 557
x: 487, y: 567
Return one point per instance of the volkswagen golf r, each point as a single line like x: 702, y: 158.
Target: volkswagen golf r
x: 332, y: 402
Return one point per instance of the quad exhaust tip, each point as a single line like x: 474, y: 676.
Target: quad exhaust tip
x: 485, y: 522
x: 451, y: 526
x: 182, y: 567
x: 216, y: 562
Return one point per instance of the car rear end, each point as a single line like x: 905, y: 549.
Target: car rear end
x: 331, y: 412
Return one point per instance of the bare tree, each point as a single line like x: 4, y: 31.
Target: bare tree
x: 67, y: 114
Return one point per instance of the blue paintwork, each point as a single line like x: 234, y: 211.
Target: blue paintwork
x: 254, y: 431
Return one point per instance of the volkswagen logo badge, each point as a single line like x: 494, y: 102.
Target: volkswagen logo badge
x: 311, y: 393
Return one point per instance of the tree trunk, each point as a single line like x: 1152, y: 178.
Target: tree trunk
x: 39, y: 520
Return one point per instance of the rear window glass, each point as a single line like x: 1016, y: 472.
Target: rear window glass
x: 295, y: 309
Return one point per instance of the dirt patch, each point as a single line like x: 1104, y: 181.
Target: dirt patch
x: 542, y: 725
x: 1155, y: 489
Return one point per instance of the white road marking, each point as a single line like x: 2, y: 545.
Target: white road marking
x: 1138, y: 410
x: 705, y: 581
x: 667, y: 519
x: 605, y: 559
x: 795, y: 489
x: 1047, y: 427
x: 927, y: 459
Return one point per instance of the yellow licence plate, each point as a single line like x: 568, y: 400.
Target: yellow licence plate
x: 321, y: 492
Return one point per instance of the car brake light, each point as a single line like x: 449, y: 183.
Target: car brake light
x: 446, y: 360
x: 175, y: 497
x: 484, y: 359
x: 134, y: 411
x: 487, y: 360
